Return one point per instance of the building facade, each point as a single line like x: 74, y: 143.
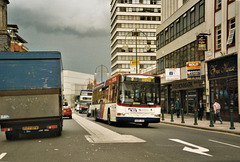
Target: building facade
x: 4, y: 36
x: 133, y: 30
x: 73, y: 83
x: 200, y: 41
x: 176, y: 45
x: 223, y: 59
x: 17, y: 42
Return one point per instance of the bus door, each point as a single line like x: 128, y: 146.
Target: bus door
x: 102, y: 105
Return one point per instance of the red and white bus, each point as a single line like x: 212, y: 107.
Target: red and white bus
x: 128, y: 98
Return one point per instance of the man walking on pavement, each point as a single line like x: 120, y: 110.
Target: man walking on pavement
x: 200, y: 110
x: 177, y: 107
x: 217, y: 107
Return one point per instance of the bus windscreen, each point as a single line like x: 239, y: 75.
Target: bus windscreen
x: 145, y: 92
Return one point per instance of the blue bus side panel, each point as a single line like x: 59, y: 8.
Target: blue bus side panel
x: 30, y: 74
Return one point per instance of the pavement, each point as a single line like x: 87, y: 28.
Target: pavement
x: 202, y: 124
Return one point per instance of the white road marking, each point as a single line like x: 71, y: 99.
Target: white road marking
x: 2, y: 155
x: 198, y: 150
x: 224, y: 143
x: 100, y: 134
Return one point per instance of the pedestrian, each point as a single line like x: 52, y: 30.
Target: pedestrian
x: 177, y: 107
x: 217, y: 115
x: 200, y: 109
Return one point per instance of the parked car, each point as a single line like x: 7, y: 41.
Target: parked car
x: 67, y: 111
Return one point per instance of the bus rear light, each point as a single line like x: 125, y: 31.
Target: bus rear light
x: 6, y: 129
x: 120, y: 114
x: 52, y: 127
x: 157, y: 115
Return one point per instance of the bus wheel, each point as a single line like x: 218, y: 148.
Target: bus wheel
x: 145, y: 125
x: 109, y: 118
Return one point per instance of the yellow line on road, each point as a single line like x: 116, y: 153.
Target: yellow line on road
x: 202, y: 129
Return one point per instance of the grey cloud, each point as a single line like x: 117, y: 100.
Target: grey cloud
x: 42, y: 23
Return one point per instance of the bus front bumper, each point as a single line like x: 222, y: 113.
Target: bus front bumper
x: 137, y: 120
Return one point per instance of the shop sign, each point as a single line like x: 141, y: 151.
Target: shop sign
x: 202, y: 43
x: 172, y: 73
x: 226, y: 66
x: 193, y: 70
x: 187, y: 85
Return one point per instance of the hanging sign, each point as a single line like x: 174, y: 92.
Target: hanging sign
x: 202, y: 43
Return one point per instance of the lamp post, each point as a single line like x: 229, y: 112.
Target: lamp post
x: 101, y: 68
x: 135, y: 33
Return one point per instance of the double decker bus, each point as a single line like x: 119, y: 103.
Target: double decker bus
x: 85, y: 99
x: 128, y: 98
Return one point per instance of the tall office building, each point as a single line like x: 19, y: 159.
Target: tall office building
x: 133, y: 34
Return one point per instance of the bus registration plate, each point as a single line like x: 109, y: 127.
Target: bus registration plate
x: 138, y: 120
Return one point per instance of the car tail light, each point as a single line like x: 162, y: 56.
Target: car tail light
x: 52, y: 127
x: 6, y: 129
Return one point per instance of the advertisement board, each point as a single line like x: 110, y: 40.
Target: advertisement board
x: 172, y: 73
x: 193, y: 70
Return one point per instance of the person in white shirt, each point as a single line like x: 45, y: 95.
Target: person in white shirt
x: 217, y: 115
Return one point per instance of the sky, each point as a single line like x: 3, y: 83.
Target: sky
x: 79, y: 29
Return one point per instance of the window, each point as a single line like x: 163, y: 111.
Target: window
x: 230, y: 1
x: 201, y: 12
x: 218, y: 4
x: 218, y: 37
x: 166, y: 35
x: 171, y: 33
x: 231, y: 34
x: 177, y: 28
x: 192, y: 16
x: 189, y: 20
x: 185, y: 23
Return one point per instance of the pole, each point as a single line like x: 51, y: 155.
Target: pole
x: 195, y: 116
x: 182, y: 112
x: 101, y: 71
x: 211, y: 117
x: 136, y: 49
x: 162, y: 114
x: 231, y: 117
x: 172, y: 114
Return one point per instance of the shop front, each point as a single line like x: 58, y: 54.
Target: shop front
x: 188, y: 91
x: 223, y: 81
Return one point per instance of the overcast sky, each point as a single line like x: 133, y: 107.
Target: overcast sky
x: 79, y: 29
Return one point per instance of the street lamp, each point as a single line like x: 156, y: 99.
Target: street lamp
x: 135, y: 33
x: 101, y: 68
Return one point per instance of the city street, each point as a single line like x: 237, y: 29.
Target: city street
x: 83, y: 139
